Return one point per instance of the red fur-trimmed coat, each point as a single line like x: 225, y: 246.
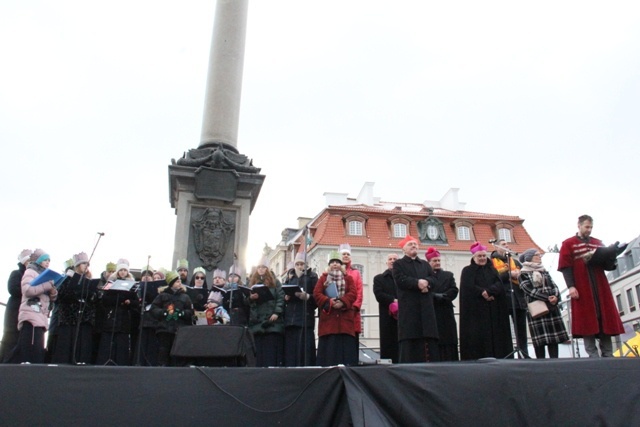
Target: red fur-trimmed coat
x: 332, y: 321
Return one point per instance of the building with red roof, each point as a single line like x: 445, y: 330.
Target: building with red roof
x: 374, y: 228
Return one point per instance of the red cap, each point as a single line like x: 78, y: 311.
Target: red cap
x: 407, y: 240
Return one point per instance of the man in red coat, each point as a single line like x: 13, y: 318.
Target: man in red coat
x: 594, y: 312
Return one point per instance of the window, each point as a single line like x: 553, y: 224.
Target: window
x: 620, y: 306
x: 464, y: 229
x: 360, y: 268
x: 399, y: 230
x: 638, y: 292
x: 463, y: 233
x: 355, y: 224
x: 504, y: 231
x: 632, y: 304
x: 355, y: 228
x: 504, y: 234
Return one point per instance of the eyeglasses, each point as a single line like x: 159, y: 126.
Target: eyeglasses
x: 538, y: 254
x: 199, y: 278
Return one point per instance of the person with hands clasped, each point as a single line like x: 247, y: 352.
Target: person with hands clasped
x: 484, y: 314
x: 536, y: 282
x: 335, y: 293
x: 173, y: 308
x: 417, y: 327
x: 444, y: 292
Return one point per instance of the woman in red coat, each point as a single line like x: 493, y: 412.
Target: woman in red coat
x: 335, y: 294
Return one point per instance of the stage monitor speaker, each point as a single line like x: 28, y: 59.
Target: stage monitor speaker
x: 219, y: 345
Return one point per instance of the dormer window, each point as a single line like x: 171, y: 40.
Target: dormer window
x: 504, y: 234
x: 398, y: 226
x: 399, y: 230
x: 355, y: 224
x: 355, y: 228
x: 463, y: 233
x: 504, y: 231
x: 464, y: 229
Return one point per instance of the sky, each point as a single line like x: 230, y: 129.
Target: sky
x: 530, y: 109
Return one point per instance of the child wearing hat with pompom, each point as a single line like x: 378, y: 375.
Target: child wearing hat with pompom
x: 173, y: 309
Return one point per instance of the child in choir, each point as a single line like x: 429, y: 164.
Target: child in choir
x: 173, y: 308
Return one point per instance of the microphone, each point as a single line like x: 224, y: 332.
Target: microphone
x: 102, y: 234
x: 493, y: 240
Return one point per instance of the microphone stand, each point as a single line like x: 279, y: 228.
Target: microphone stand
x: 142, y: 310
x: 113, y: 330
x: 83, y: 303
x: 306, y: 301
x: 516, y: 348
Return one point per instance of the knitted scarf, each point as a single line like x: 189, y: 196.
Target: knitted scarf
x: 536, y: 269
x: 338, y: 277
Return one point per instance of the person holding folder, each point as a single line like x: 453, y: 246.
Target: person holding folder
x: 335, y: 293
x: 33, y: 316
x: 266, y: 316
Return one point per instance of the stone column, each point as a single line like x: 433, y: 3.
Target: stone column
x: 214, y: 187
x: 224, y: 82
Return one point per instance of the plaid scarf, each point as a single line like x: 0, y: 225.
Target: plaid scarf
x: 338, y: 277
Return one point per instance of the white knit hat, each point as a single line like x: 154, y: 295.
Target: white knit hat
x: 122, y: 263
x: 80, y: 258
x: 24, y: 255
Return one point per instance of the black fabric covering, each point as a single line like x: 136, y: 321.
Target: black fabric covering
x: 214, y: 346
x: 566, y: 392
x: 40, y: 395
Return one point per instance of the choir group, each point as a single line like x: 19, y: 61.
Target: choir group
x: 117, y: 320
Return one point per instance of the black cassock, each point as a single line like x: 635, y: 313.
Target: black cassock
x: 384, y: 288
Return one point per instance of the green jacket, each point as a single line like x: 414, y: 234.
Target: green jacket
x: 262, y: 311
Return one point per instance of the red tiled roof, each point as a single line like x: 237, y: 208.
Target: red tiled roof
x: 328, y: 229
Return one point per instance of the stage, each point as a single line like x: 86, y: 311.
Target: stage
x: 566, y: 392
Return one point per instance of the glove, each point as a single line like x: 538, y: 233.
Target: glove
x: 620, y: 247
x: 439, y: 297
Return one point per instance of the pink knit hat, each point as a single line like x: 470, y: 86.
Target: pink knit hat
x: 432, y: 253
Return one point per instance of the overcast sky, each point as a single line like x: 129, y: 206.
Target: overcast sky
x: 531, y: 110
